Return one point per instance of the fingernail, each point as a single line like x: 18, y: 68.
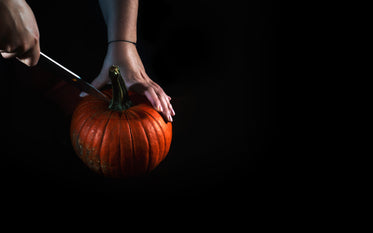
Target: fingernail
x: 159, y: 108
x: 83, y: 94
x: 169, y: 118
x: 173, y: 112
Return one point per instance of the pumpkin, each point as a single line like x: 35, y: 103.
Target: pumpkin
x: 121, y: 138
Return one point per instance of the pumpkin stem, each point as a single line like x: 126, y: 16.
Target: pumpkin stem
x: 120, y: 100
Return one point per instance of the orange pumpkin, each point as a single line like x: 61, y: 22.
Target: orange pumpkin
x: 123, y: 138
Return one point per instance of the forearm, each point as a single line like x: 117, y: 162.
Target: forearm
x: 121, y: 18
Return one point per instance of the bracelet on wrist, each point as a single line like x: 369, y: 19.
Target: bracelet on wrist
x: 127, y: 41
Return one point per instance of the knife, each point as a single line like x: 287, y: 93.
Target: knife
x: 78, y: 81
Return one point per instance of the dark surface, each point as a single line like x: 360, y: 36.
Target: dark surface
x: 216, y: 60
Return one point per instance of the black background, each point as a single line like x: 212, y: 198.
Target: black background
x: 217, y: 59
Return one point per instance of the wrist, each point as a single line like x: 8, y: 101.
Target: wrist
x: 121, y: 47
x: 12, y: 1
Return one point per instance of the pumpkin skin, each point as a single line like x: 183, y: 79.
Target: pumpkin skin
x: 122, y: 143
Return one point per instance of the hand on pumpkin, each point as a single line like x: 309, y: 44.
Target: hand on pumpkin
x: 125, y: 55
x: 19, y: 33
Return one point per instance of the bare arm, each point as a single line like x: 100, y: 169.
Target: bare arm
x: 121, y: 20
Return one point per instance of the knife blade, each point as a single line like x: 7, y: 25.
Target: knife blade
x: 78, y: 81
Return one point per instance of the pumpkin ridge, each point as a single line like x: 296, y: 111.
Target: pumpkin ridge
x: 135, y: 116
x: 133, y: 146
x: 156, y: 128
x: 164, y: 136
x: 120, y: 144
x: 86, y: 119
x: 150, y: 154
x: 113, y: 148
x: 102, y: 139
x: 162, y: 143
x: 91, y: 143
x: 87, y: 152
x: 125, y: 165
x: 77, y: 134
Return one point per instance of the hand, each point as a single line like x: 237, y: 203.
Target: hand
x: 19, y: 33
x: 125, y: 55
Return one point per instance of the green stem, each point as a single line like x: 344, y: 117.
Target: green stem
x: 120, y: 100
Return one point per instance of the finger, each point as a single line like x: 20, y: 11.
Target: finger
x: 8, y: 55
x: 166, y: 111
x: 169, y: 105
x: 159, y: 89
x: 165, y: 102
x: 30, y: 57
x: 153, y: 99
x: 171, y: 109
x: 35, y: 55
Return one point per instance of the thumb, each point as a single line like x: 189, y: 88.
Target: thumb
x: 31, y: 57
x: 98, y: 83
x: 7, y: 55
